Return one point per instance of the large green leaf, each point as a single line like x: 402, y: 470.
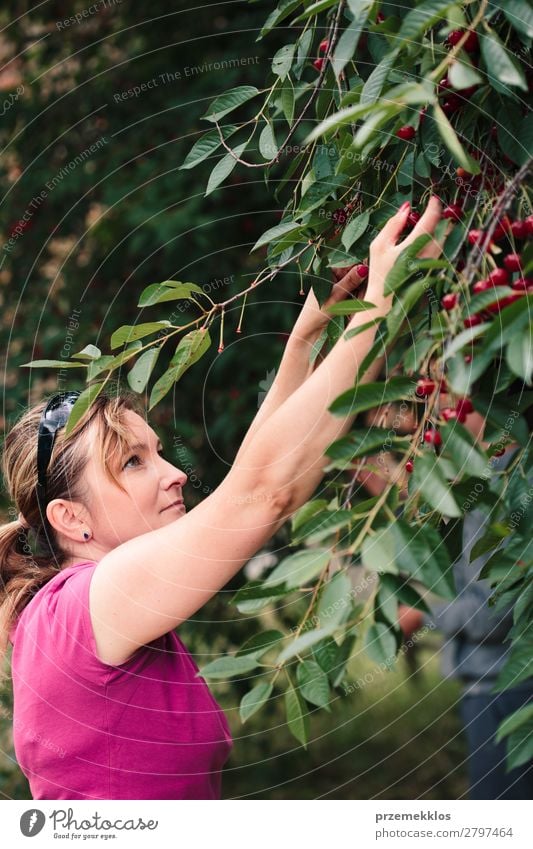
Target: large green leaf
x: 377, y: 79
x: 355, y: 229
x: 296, y: 716
x: 299, y: 568
x: 260, y: 643
x: 139, y: 375
x: 349, y: 39
x: 52, y: 364
x: 285, y: 8
x: 421, y: 18
x: 378, y: 551
x: 156, y: 293
x: 520, y: 15
x: 206, y: 145
x: 336, y: 601
x: 453, y: 144
x: 315, y: 9
x: 229, y: 101
x: 460, y: 447
x: 282, y: 60
x: 430, y: 480
x: 519, y: 665
x: 254, y: 700
x: 313, y: 683
x: 380, y: 644
x: 365, y: 396
x: 303, y: 643
x: 229, y: 667
x: 130, y: 333
x: 189, y: 350
x: 223, y: 168
x: 322, y: 525
x: 500, y: 65
x: 82, y: 405
x: 275, y: 233
x: 519, y: 355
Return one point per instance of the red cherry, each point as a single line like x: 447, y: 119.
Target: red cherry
x: 424, y: 387
x: 481, y: 286
x: 502, y: 228
x: 475, y: 237
x: 443, y: 85
x: 499, y: 452
x: 318, y: 64
x: 362, y: 270
x: 472, y: 320
x: 380, y: 17
x: 409, y: 466
x: 448, y: 413
x: 519, y: 229
x: 522, y: 284
x: 323, y: 46
x: 463, y: 173
x: 454, y: 37
x: 529, y: 225
x: 406, y: 133
x: 471, y: 44
x: 464, y: 406
x: 512, y: 262
x: 468, y: 92
x: 499, y: 277
x: 449, y: 301
x: 452, y: 104
x: 433, y: 437
x: 468, y: 358
x: 453, y: 211
x: 413, y: 218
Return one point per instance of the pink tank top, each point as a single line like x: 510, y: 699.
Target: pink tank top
x: 148, y: 729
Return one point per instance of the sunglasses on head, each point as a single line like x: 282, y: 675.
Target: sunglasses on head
x: 54, y: 416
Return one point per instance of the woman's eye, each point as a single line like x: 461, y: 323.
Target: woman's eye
x: 134, y: 457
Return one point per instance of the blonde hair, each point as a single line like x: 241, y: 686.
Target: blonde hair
x: 25, y: 569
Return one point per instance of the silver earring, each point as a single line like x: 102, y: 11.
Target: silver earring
x: 86, y: 535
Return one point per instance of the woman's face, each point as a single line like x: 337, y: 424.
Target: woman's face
x: 151, y: 485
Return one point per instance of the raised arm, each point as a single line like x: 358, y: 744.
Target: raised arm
x: 150, y: 584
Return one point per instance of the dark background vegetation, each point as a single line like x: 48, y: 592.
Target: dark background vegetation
x: 127, y: 217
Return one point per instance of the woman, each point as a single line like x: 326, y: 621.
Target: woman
x: 107, y: 702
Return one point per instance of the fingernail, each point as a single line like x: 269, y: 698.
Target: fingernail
x: 405, y: 206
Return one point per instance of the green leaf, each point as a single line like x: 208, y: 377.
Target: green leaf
x: 453, y: 144
x: 423, y: 17
x: 206, y: 145
x: 229, y: 101
x: 500, y: 67
x: 267, y: 142
x: 360, y: 443
x: 287, y: 101
x: 156, y: 293
x: 282, y: 60
x: 335, y: 601
x: 377, y: 79
x: 130, y: 333
x: 90, y: 352
x: 322, y: 526
x: 406, y: 264
x: 518, y: 666
x: 519, y: 14
x: 349, y: 307
x: 464, y: 338
x: 259, y: 644
x: 52, y: 364
x: 82, y: 404
x: 355, y: 229
x: 314, y: 9
x: 429, y: 479
x: 254, y: 700
x: 302, y: 643
x: 275, y: 233
x: 380, y: 644
x: 229, y: 667
x: 347, y: 44
x: 223, y: 168
x: 275, y: 17
x: 139, y: 375
x: 459, y: 445
x: 313, y: 683
x: 367, y: 395
x: 189, y: 350
x: 519, y: 356
x: 307, y: 511
x: 513, y: 722
x: 340, y: 118
x: 299, y: 568
x: 296, y: 718
x: 378, y: 551
x: 254, y: 596
x: 462, y: 73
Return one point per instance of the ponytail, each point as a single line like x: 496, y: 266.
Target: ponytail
x: 22, y: 574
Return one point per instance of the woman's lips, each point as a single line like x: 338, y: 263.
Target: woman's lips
x: 178, y: 503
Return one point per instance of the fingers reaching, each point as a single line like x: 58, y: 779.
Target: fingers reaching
x: 426, y: 224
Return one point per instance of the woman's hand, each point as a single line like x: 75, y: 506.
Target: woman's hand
x: 385, y: 248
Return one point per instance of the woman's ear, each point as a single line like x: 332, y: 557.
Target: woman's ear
x: 67, y: 517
